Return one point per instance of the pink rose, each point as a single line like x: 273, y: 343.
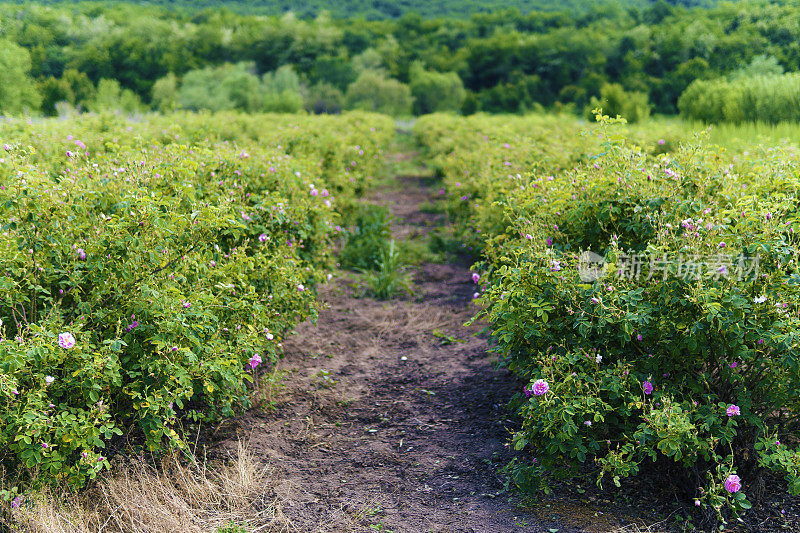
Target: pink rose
x: 66, y: 340
x: 540, y: 387
x: 733, y: 483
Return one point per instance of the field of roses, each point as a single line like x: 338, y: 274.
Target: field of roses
x: 645, y: 286
x: 149, y: 265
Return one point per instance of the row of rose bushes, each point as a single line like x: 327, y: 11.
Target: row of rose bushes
x: 482, y: 158
x: 674, y: 344
x: 146, y: 267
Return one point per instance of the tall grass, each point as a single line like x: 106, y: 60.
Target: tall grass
x: 735, y: 137
x: 768, y: 98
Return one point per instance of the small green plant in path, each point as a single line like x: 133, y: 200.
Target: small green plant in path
x: 390, y: 279
x: 367, y: 239
x: 232, y: 527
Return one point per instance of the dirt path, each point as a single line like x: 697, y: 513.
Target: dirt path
x: 384, y: 426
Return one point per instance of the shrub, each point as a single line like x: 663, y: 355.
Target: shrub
x: 81, y: 87
x: 518, y: 95
x: 221, y: 88
x: 282, y: 91
x: 164, y: 94
x: 324, y: 98
x: 435, y: 91
x: 696, y: 367
x: 145, y: 273
x: 694, y: 371
x: 111, y: 97
x: 54, y: 91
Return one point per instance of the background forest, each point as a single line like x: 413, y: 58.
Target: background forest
x: 633, y: 57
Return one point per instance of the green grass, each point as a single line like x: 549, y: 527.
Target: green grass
x: 390, y: 279
x: 737, y: 137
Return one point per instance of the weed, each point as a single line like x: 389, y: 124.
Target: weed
x: 231, y: 527
x: 390, y: 279
x: 325, y: 379
x: 444, y: 338
x: 367, y: 240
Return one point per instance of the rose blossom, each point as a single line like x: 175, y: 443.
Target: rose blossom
x: 66, y: 340
x: 540, y: 387
x: 733, y: 483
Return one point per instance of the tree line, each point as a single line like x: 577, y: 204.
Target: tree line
x: 58, y: 58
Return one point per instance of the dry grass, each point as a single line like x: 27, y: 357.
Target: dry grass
x: 180, y: 494
x: 658, y: 527
x: 402, y: 320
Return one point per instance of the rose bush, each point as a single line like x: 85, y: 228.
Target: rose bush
x: 146, y: 271
x: 482, y: 159
x: 669, y: 344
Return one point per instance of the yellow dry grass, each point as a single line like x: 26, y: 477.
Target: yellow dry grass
x: 180, y: 495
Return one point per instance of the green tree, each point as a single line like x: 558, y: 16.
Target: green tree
x: 282, y: 91
x: 242, y: 88
x: 769, y: 98
x: 221, y: 88
x: 369, y: 59
x: 82, y: 88
x: 762, y: 65
x: 518, y: 95
x: 324, y: 98
x: 111, y: 97
x: 372, y: 91
x: 435, y: 91
x: 164, y: 95
x: 18, y: 91
x: 614, y: 100
x: 53, y: 91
